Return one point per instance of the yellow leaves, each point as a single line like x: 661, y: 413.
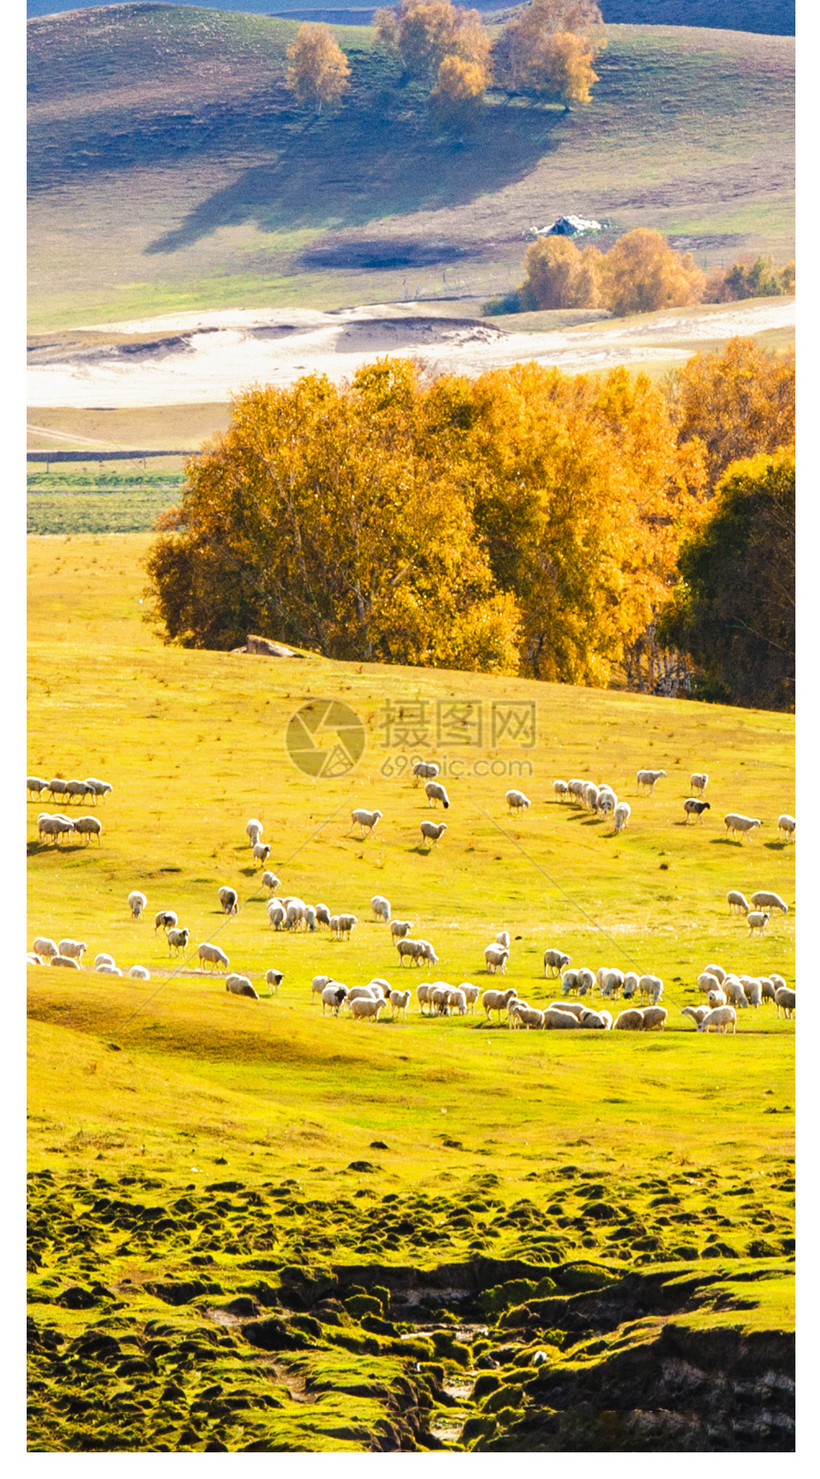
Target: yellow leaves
x: 641, y: 274
x: 548, y: 48
x: 320, y: 72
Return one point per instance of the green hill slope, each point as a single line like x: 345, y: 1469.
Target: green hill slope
x: 169, y: 169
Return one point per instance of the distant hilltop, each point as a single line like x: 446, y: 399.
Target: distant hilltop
x: 766, y: 17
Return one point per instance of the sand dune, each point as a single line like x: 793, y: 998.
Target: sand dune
x: 196, y: 358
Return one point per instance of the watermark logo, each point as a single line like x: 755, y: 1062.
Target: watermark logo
x: 325, y: 738
x: 458, y: 723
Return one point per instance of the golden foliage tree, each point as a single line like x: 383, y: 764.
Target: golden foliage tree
x: 459, y: 92
x: 320, y: 71
x: 641, y: 274
x: 558, y: 275
x: 548, y: 49
x: 735, y: 403
x: 421, y: 33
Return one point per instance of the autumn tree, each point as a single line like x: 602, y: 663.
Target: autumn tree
x: 558, y: 275
x: 737, y: 402
x: 757, y: 279
x: 733, y: 610
x: 641, y: 274
x: 422, y: 33
x: 320, y: 72
x: 459, y: 92
x: 322, y: 517
x: 548, y: 49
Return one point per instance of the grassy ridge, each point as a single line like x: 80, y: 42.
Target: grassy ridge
x: 233, y: 186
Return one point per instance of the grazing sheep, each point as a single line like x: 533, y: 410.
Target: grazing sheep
x: 733, y: 990
x: 428, y: 953
x: 561, y: 789
x: 456, y: 1001
x: 647, y: 779
x: 786, y: 825
x: 784, y: 997
x: 698, y: 1013
x: 517, y: 801
x: 654, y: 1017
x: 409, y: 950
x: 367, y: 820
x: 768, y: 990
x: 435, y: 791
x: 33, y: 959
x: 757, y: 920
x: 74, y: 965
x: 439, y: 999
x: 736, y: 900
x: 347, y: 922
x: 309, y: 918
x: 607, y: 800
x: 523, y: 1015
x: 277, y: 914
x: 273, y: 980
x: 424, y: 770
x: 503, y: 938
x: 698, y: 781
x: 716, y: 997
x: 270, y: 881
x: 554, y: 962
x: 590, y: 796
x: 294, y: 913
x: 621, y: 815
x: 471, y: 993
x: 585, y: 980
x: 754, y: 992
x: 229, y: 900
x: 762, y: 899
x: 718, y: 1020
x: 695, y: 808
x: 496, y: 957
x: 400, y: 928
x: 334, y: 926
x: 58, y: 787
x: 611, y: 982
x: 109, y: 970
x: 716, y: 970
x: 558, y: 1017
x: 140, y: 973
x: 241, y: 986
x: 35, y: 785
x: 602, y: 1019
x: 332, y: 996
x: 381, y: 907
x: 322, y: 914
x: 319, y: 983
x: 423, y: 994
x: 212, y: 955
x: 254, y: 830
x: 569, y: 982
x: 576, y: 788
x: 45, y: 947
x: 630, y: 1020
x: 576, y: 1008
x: 98, y: 788
x: 166, y: 918
x: 76, y: 788
x: 261, y: 852
x: 497, y: 1001
x: 177, y: 939
x: 630, y: 985
x: 103, y: 959
x: 75, y: 948
x: 652, y: 987
x: 399, y: 1002
x: 137, y: 902
x: 735, y: 823
x: 432, y: 831
x: 365, y: 1009
x: 54, y: 827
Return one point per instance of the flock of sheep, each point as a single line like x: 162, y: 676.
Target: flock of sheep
x: 726, y: 992
x: 55, y: 824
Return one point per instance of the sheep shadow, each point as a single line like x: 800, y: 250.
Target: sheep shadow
x: 777, y: 846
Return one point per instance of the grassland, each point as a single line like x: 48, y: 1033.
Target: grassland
x: 169, y: 170
x: 97, y: 501
x: 253, y: 1228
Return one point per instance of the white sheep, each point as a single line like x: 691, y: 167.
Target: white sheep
x: 139, y: 973
x: 496, y: 957
x: 757, y: 920
x: 381, y: 907
x: 716, y: 997
x: 294, y: 913
x: 732, y: 988
x: 716, y: 970
x: 735, y: 823
x: 103, y: 959
x: 432, y: 831
x: 212, y: 955
x: 521, y: 1014
x: 558, y: 1017
x: 228, y: 899
x: 58, y: 787
x: 607, y: 800
x: 776, y: 980
x: 561, y: 789
x: 786, y: 825
x: 651, y: 987
x: 737, y: 900
x: 516, y: 801
x: 322, y: 914
x: 254, y: 830
x: 334, y: 926
x: 590, y: 796
x: 68, y: 960
x: 319, y: 983
x: 260, y: 852
x: 109, y: 970
x: 718, y: 1020
x: 497, y: 1001
x: 503, y: 938
x: 367, y: 820
x: 784, y: 997
x: 409, y: 950
x: 471, y: 994
x: 698, y: 781
x: 457, y: 1001
x: 45, y: 947
x: 241, y: 986
x: 439, y: 999
x: 763, y: 899
x: 177, y: 939
x: 309, y: 918
x: 630, y: 985
x: 382, y: 985
x: 647, y: 779
x: 654, y: 1017
x: 35, y: 785
x: 165, y: 919
x: 576, y: 788
x: 33, y: 959
x: 400, y: 928
x: 273, y: 980
x: 347, y: 922
x: 768, y: 989
x: 89, y: 827
x: 332, y: 996
x: 585, y: 980
x: 601, y: 1020
x: 75, y: 948
x: 554, y: 962
x: 54, y: 827
x: 399, y: 1001
x: 270, y: 881
x: 428, y: 953
x: 569, y: 981
x: 575, y: 1008
x: 424, y: 770
x: 621, y: 815
x: 366, y: 1008
x: 698, y: 1013
x: 137, y: 902
x: 97, y: 787
x: 630, y: 1020
x: 435, y: 792
x: 277, y: 913
x: 611, y: 982
x: 754, y: 992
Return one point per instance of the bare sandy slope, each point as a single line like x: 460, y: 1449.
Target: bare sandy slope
x: 195, y: 358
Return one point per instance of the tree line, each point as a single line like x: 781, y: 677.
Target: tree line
x: 526, y: 522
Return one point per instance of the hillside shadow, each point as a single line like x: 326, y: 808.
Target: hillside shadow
x: 365, y: 166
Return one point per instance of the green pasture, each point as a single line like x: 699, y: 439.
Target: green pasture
x: 183, y: 1141
x: 158, y: 188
